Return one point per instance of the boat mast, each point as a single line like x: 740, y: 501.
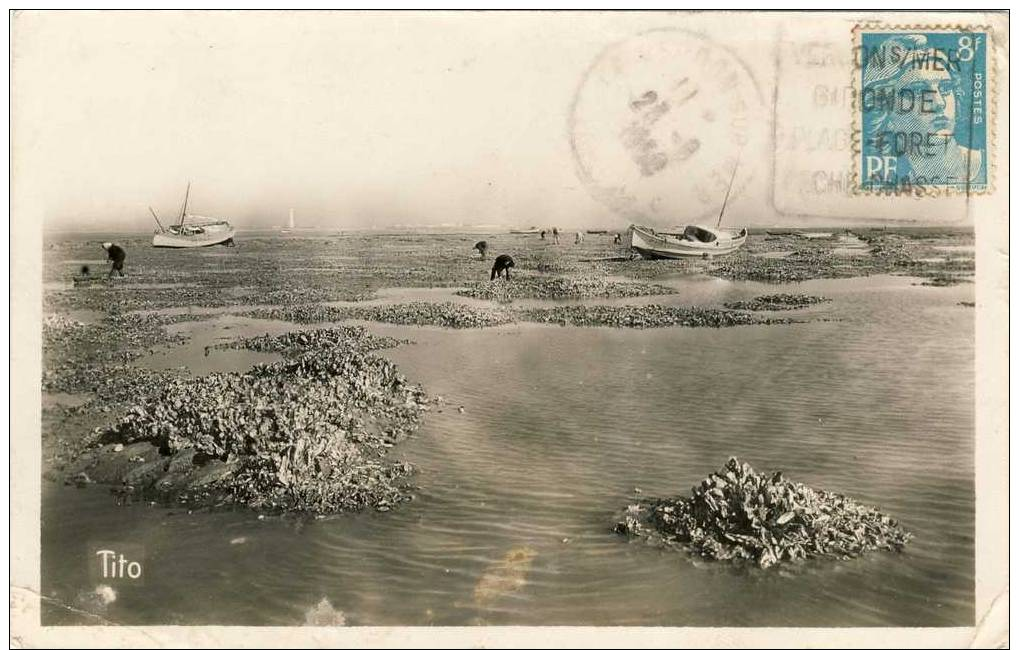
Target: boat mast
x: 184, y: 208
x: 729, y: 189
x: 158, y: 223
x: 291, y: 226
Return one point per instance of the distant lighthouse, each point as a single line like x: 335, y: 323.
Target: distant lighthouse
x: 290, y: 222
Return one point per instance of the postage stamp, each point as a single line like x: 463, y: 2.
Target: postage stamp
x: 922, y: 110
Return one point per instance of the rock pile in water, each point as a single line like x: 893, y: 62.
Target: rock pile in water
x: 298, y: 343
x: 57, y: 324
x: 887, y: 253
x: 888, y: 247
x: 641, y: 269
x: 84, y: 358
x: 457, y: 316
x: 645, y: 316
x: 309, y: 433
x: 800, y: 265
x: 302, y: 313
x: 741, y: 515
x: 446, y: 314
x: 777, y: 302
x: 938, y: 279
x: 296, y: 296
x: 556, y: 266
x: 560, y: 287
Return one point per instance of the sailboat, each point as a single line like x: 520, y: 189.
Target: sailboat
x: 290, y: 223
x: 692, y: 241
x: 192, y: 231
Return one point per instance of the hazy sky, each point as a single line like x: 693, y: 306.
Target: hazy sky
x: 369, y: 120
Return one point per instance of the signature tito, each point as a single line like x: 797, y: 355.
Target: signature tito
x: 117, y: 565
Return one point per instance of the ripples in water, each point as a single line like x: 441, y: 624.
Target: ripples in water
x: 518, y: 494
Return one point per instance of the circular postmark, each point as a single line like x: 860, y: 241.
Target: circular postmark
x: 658, y: 125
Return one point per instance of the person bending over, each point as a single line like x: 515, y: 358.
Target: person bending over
x: 502, y: 263
x: 116, y: 255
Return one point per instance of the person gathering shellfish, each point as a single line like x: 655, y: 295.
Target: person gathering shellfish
x: 503, y: 263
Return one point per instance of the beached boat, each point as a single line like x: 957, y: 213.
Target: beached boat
x: 192, y: 231
x: 693, y: 241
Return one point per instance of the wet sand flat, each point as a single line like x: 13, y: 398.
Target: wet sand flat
x: 543, y: 432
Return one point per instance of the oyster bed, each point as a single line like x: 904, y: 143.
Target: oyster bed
x: 798, y: 266
x: 738, y: 514
x: 309, y: 433
x: 295, y: 344
x: 351, y: 266
x: 560, y: 287
x: 447, y: 314
x: 457, y: 316
x: 94, y: 361
x: 777, y: 302
x: 646, y: 316
x: 905, y: 252
x: 93, y: 358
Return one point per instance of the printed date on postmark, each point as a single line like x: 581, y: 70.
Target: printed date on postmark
x: 922, y: 109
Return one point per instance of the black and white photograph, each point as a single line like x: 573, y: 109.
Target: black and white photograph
x: 592, y: 327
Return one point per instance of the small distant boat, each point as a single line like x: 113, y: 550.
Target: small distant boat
x: 597, y: 232
x: 290, y: 224
x: 816, y: 235
x: 693, y: 241
x: 192, y: 231
x: 529, y: 231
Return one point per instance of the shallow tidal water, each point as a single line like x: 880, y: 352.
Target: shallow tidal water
x: 517, y: 495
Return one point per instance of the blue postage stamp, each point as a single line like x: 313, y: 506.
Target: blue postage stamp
x: 923, y: 97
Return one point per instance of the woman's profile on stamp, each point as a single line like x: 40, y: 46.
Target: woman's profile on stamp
x: 918, y: 114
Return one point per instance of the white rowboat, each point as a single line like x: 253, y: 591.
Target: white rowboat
x: 694, y: 241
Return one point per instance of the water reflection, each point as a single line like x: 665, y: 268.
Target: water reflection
x: 559, y: 427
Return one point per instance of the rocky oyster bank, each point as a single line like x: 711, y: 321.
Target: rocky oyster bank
x: 741, y: 515
x: 447, y: 314
x: 309, y: 433
x: 561, y: 287
x: 777, y: 302
x: 645, y: 316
